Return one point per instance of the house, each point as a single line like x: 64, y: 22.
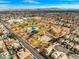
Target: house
x: 49, y: 49
x: 23, y: 54
x: 56, y: 54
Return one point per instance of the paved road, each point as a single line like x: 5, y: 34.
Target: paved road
x: 61, y: 49
x: 25, y: 44
x: 75, y: 56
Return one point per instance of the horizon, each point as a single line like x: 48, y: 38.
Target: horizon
x: 34, y: 4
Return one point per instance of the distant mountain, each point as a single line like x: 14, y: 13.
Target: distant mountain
x: 58, y: 9
x: 43, y: 9
x: 49, y: 8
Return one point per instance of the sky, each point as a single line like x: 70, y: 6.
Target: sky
x: 32, y: 4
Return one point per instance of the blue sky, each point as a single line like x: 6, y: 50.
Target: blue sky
x: 20, y: 4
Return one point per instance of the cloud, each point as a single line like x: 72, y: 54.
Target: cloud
x: 32, y: 1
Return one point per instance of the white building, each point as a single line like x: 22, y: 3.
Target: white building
x: 15, y: 20
x: 45, y: 38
